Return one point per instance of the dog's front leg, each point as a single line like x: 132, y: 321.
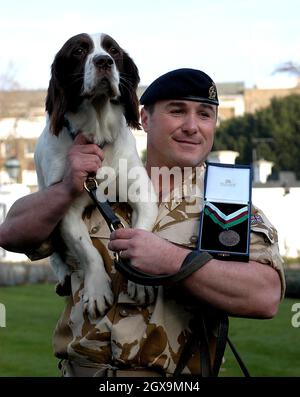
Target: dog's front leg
x: 143, y: 201
x: 97, y: 291
x: 63, y: 272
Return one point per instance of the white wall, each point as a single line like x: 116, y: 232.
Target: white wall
x: 22, y: 128
x: 223, y: 156
x: 283, y: 212
x: 141, y: 140
x: 8, y: 195
x: 236, y: 102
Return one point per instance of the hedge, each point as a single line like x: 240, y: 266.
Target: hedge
x: 292, y: 277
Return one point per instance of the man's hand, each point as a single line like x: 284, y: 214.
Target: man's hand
x: 84, y: 158
x: 146, y: 251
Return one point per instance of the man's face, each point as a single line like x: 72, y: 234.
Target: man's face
x: 180, y: 133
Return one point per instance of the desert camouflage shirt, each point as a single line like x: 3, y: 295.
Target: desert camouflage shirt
x: 129, y: 335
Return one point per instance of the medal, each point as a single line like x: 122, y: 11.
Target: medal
x: 229, y: 238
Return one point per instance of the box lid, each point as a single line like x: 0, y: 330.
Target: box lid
x: 228, y: 183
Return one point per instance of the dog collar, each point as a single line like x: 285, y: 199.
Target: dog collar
x: 72, y: 132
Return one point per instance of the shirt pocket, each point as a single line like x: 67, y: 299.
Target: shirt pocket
x: 184, y: 233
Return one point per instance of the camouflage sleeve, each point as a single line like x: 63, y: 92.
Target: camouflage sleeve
x: 264, y: 244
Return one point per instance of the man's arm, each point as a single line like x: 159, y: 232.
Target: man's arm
x: 32, y: 219
x: 248, y: 289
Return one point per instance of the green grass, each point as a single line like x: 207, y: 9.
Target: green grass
x: 268, y: 347
x: 26, y: 343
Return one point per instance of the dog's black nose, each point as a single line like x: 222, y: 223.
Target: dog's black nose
x: 103, y: 61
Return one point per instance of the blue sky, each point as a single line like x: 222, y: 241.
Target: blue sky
x: 232, y: 40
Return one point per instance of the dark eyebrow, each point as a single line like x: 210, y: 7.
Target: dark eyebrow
x: 176, y: 103
x: 207, y: 106
x: 182, y: 103
x: 202, y: 105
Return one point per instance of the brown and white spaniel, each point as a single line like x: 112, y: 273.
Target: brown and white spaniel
x: 93, y: 89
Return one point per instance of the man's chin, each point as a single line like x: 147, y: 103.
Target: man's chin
x: 189, y: 158
x: 188, y: 162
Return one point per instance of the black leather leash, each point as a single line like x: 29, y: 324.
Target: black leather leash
x: 238, y: 358
x: 193, y: 261
x: 108, y: 214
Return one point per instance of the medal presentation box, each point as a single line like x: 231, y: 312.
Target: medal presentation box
x: 225, y: 219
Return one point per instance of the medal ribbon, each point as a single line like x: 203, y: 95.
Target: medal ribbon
x: 223, y: 220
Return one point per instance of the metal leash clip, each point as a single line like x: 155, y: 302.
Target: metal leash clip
x: 117, y: 255
x: 90, y: 184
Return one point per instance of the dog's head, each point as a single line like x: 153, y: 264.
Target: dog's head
x: 94, y: 68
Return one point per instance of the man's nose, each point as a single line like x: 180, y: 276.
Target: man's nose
x: 190, y: 125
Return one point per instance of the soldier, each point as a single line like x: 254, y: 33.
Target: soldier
x: 150, y: 339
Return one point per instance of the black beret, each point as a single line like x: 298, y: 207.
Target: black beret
x: 186, y: 84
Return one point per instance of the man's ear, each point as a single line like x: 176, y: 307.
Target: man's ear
x: 145, y: 119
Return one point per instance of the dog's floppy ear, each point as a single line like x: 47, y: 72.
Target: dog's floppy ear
x: 129, y: 82
x: 56, y: 101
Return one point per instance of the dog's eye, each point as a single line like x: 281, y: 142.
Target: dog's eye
x: 113, y: 51
x: 79, y: 51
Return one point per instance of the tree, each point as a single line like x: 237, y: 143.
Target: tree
x: 289, y: 67
x: 8, y: 80
x: 144, y: 156
x: 274, y: 132
x: 8, y: 83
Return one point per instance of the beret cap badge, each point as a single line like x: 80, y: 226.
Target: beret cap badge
x: 212, y: 92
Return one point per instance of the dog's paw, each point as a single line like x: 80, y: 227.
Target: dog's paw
x: 97, y: 296
x: 142, y: 294
x: 63, y: 288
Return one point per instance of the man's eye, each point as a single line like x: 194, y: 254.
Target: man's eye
x: 204, y: 114
x: 176, y: 111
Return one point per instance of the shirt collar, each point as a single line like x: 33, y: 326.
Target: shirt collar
x: 189, y: 190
